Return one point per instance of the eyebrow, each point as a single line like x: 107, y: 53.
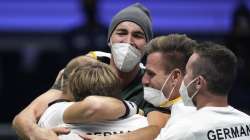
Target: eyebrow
x: 121, y: 29
x: 149, y: 71
x: 135, y: 32
x: 139, y: 32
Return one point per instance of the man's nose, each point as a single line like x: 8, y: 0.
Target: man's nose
x: 130, y: 40
x: 145, y: 80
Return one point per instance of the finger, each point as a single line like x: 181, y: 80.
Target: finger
x: 61, y: 130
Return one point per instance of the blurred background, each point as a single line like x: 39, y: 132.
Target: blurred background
x: 38, y: 37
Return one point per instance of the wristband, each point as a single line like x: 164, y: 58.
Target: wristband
x: 131, y: 109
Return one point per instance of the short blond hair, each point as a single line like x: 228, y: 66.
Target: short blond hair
x: 94, y: 79
x: 72, y: 65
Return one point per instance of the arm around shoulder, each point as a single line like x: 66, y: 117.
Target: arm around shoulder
x: 25, y: 122
x: 94, y: 108
x: 156, y: 121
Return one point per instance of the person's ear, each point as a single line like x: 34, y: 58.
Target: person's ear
x: 175, y: 77
x: 200, y: 82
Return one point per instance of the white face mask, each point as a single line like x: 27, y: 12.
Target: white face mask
x: 155, y: 96
x: 188, y: 101
x: 125, y: 56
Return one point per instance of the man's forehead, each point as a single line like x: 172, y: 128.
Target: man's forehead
x: 121, y: 29
x: 125, y: 24
x: 155, y: 62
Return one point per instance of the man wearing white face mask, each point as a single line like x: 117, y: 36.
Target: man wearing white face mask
x: 165, y: 68
x: 129, y: 31
x: 210, y: 73
x: 125, y: 56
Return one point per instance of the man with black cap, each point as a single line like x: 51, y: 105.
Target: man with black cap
x: 129, y: 31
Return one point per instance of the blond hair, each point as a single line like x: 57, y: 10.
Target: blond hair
x: 71, y: 66
x: 94, y: 79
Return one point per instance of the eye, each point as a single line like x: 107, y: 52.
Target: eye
x: 149, y: 73
x: 139, y: 35
x: 121, y: 33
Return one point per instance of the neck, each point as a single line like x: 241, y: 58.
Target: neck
x: 125, y: 77
x: 211, y: 100
x: 67, y: 95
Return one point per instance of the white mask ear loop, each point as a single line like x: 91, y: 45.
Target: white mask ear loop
x: 196, y: 91
x: 164, y: 86
x: 171, y: 93
x: 167, y: 100
x: 191, y: 82
x: 194, y: 94
x: 165, y: 82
